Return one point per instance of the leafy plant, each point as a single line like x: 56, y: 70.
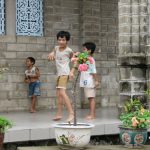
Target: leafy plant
x: 5, y: 124
x: 135, y: 116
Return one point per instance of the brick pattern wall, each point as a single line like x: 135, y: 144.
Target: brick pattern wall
x: 107, y: 57
x: 86, y: 20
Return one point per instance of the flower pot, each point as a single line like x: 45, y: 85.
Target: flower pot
x: 133, y: 138
x: 70, y: 135
x: 1, y: 140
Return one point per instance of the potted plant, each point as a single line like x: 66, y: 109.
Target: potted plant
x: 135, y: 122
x: 74, y: 134
x: 5, y: 124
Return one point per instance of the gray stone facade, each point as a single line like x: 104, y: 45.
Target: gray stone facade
x: 133, y: 48
x: 86, y: 20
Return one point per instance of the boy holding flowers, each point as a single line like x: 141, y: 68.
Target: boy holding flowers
x: 88, y: 77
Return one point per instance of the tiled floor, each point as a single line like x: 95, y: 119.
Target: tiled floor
x: 39, y: 125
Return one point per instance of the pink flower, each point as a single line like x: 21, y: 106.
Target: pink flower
x: 91, y: 60
x: 83, y: 67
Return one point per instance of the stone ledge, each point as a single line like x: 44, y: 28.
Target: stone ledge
x: 101, y: 147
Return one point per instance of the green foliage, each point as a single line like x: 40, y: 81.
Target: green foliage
x: 132, y: 105
x: 5, y: 124
x: 83, y: 57
x: 135, y: 116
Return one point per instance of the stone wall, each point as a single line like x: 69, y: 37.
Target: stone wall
x: 133, y: 31
x: 86, y: 20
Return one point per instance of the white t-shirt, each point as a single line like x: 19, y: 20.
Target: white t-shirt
x: 30, y: 72
x: 86, y: 78
x: 62, y: 60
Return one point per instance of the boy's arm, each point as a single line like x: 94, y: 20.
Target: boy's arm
x: 37, y: 71
x: 72, y: 72
x: 97, y: 81
x: 51, y: 56
x: 26, y: 79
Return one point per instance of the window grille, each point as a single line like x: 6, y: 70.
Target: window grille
x: 29, y: 17
x: 2, y: 18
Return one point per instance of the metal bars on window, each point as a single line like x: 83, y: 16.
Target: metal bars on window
x: 2, y: 18
x: 29, y: 17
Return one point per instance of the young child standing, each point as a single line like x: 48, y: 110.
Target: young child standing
x: 32, y: 75
x: 88, y: 79
x: 62, y: 55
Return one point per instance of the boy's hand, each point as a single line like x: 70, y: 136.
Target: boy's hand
x: 71, y: 76
x: 51, y: 56
x: 97, y: 83
x: 27, y: 81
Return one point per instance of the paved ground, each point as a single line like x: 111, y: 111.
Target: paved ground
x: 39, y: 126
x: 109, y: 147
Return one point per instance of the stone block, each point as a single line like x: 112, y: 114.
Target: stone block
x: 35, y: 47
x: 125, y: 86
x: 41, y: 133
x: 124, y: 73
x: 104, y: 28
x: 139, y: 73
x: 125, y: 19
x: 126, y: 29
x: 3, y: 95
x: 8, y: 86
x: 16, y: 47
x: 23, y: 39
x: 112, y: 56
x: 124, y: 48
x: 125, y: 1
x: 3, y: 46
x: 111, y: 21
x: 17, y: 94
x: 8, y: 38
x: 62, y: 25
x: 10, y: 55
x: 19, y: 135
x: 124, y: 9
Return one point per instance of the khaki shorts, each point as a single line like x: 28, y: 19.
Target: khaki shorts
x: 89, y: 92
x: 62, y: 81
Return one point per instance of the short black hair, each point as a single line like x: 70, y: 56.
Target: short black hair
x: 63, y: 34
x: 31, y: 59
x: 90, y: 46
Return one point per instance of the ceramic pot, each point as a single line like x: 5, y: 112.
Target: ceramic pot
x: 133, y: 137
x: 76, y: 136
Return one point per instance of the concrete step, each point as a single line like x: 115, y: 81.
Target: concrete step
x: 100, y: 147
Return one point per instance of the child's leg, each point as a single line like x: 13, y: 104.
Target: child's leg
x: 66, y: 99
x: 59, y: 106
x: 92, y: 113
x: 33, y: 103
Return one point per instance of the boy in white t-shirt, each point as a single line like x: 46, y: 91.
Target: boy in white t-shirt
x: 89, y: 80
x: 62, y: 55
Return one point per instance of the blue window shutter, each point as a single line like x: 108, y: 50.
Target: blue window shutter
x: 2, y: 18
x: 29, y: 17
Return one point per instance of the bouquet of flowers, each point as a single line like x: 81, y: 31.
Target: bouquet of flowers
x: 83, y: 60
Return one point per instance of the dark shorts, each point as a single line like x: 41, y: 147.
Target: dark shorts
x: 34, y: 88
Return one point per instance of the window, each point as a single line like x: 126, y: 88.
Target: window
x: 2, y: 19
x: 29, y: 17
